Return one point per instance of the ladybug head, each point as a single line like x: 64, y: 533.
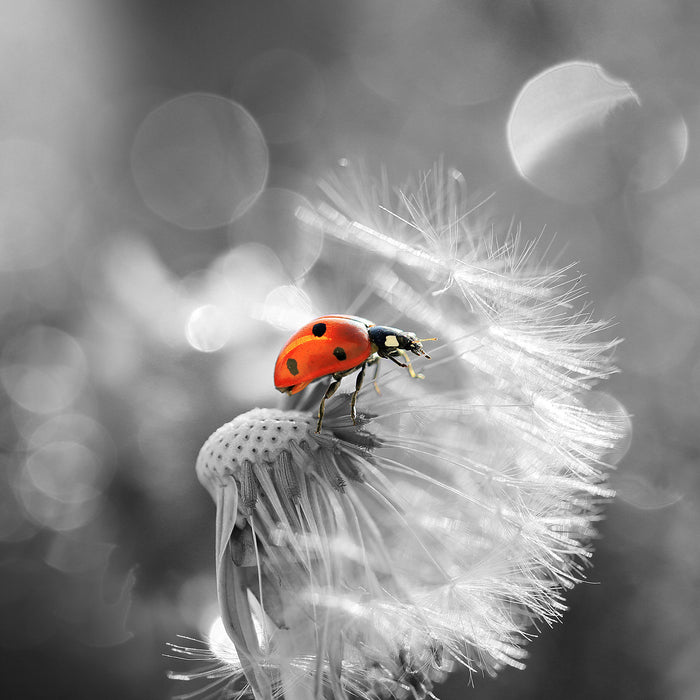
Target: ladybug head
x: 389, y: 341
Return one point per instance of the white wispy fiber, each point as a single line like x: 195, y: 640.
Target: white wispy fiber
x: 370, y: 560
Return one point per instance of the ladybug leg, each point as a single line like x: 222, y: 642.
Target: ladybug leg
x: 332, y: 388
x: 358, y: 385
x: 408, y: 365
x: 394, y: 360
x: 376, y: 374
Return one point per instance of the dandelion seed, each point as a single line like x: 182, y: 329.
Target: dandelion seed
x: 370, y: 560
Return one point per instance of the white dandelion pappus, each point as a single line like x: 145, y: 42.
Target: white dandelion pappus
x: 368, y: 560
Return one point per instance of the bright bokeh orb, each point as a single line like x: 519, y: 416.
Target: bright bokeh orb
x: 208, y: 328
x: 220, y: 644
x: 607, y: 404
x: 559, y: 131
x: 199, y: 161
x: 287, y: 307
x: 580, y: 135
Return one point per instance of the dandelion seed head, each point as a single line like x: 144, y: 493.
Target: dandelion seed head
x: 370, y: 560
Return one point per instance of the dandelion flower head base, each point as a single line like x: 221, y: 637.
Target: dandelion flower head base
x: 269, y: 439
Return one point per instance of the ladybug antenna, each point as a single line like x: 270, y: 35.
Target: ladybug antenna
x: 423, y: 340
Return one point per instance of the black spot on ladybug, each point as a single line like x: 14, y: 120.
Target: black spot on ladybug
x: 292, y: 366
x: 319, y: 329
x: 340, y: 354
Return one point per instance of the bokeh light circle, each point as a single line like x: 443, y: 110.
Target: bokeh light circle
x: 199, y: 161
x: 208, y: 328
x: 560, y: 131
x: 287, y: 307
x: 603, y: 403
x: 220, y: 644
x: 74, y: 427
x: 43, y: 369
x: 60, y: 485
x: 56, y: 514
x: 237, y: 283
x: 580, y: 135
x: 65, y: 471
x: 274, y: 221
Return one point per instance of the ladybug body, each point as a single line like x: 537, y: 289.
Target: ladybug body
x: 338, y: 345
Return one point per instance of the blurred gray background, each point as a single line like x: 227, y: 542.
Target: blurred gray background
x: 148, y: 149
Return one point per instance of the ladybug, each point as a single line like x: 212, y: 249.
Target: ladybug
x: 335, y: 346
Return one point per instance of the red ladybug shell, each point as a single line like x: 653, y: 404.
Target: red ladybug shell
x: 324, y: 346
